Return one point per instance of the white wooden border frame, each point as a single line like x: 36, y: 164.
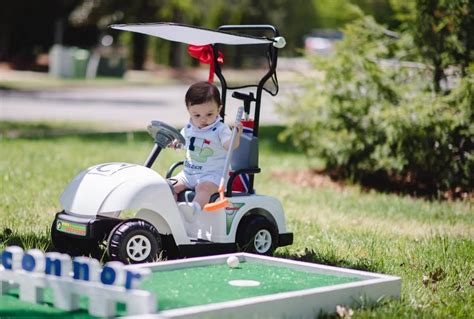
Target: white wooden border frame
x: 305, y: 303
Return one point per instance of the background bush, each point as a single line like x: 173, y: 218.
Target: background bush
x: 366, y: 111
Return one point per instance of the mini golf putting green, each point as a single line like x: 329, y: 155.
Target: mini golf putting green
x: 210, y: 284
x: 266, y: 287
x: 278, y: 288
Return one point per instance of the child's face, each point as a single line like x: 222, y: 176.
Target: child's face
x: 203, y: 114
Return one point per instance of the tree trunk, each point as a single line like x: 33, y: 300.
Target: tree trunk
x: 176, y: 54
x: 139, y: 51
x: 177, y: 49
x: 438, y: 75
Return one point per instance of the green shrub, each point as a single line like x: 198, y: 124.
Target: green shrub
x: 366, y: 111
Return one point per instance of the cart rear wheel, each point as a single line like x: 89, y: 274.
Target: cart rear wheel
x: 134, y: 241
x: 257, y: 235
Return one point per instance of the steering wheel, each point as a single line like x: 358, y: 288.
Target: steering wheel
x: 164, y: 134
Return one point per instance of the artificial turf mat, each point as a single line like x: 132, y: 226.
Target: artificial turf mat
x: 209, y: 284
x: 190, y: 287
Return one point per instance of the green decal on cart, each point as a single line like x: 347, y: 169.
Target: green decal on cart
x: 71, y: 228
x: 230, y: 212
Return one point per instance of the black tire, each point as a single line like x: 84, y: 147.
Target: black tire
x: 257, y: 235
x: 72, y: 245
x: 134, y: 241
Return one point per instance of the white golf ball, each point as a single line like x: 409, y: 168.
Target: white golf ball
x: 233, y: 261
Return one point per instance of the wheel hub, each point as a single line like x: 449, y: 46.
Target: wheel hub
x: 138, y: 248
x: 263, y: 241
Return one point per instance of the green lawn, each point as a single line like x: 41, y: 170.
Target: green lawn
x: 429, y: 244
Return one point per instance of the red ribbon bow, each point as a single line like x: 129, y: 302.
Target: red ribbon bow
x: 205, y: 54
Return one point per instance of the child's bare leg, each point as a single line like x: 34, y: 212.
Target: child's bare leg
x: 178, y: 188
x: 204, y: 190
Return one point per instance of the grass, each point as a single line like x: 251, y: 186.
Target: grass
x: 429, y: 244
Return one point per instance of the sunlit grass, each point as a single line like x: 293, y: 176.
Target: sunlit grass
x: 429, y: 244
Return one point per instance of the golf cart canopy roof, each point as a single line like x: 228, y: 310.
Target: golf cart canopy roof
x: 190, y: 34
x: 258, y: 52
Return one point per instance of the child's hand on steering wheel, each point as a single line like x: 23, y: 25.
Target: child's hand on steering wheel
x: 175, y: 144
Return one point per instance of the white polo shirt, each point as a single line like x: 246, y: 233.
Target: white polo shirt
x: 205, y: 153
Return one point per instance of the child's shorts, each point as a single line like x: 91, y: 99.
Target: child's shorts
x: 192, y: 180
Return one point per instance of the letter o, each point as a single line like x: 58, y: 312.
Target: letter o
x: 28, y: 262
x: 108, y: 275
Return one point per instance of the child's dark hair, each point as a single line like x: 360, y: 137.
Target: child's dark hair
x: 202, y: 92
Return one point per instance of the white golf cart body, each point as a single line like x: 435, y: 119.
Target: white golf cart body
x: 108, y: 189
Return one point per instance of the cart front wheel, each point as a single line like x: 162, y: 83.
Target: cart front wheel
x: 134, y: 241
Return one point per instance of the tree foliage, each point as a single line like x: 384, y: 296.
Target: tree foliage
x: 373, y: 111
x: 30, y: 27
x: 444, y: 31
x: 82, y: 22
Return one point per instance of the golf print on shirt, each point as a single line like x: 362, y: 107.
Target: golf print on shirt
x: 199, y: 150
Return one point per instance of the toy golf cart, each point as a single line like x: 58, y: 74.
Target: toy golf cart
x: 94, y: 200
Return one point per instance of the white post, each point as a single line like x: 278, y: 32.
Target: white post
x: 31, y: 286
x: 101, y: 305
x: 64, y: 293
x: 141, y: 302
